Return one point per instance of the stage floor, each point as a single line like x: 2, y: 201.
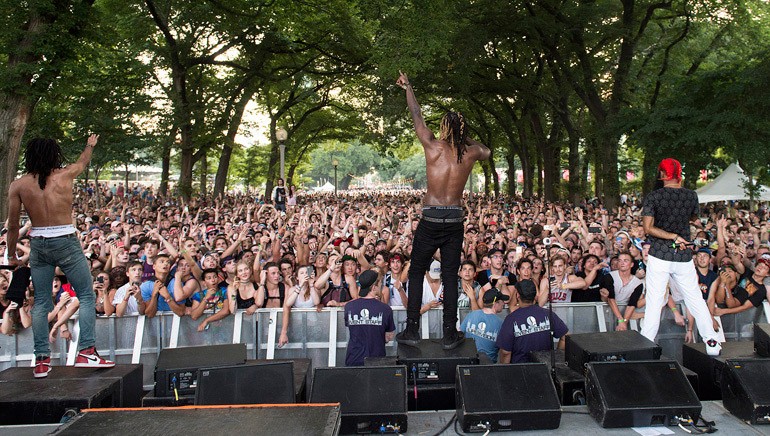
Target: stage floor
x: 575, y: 421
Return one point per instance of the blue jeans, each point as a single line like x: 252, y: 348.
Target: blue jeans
x: 429, y: 237
x: 65, y: 252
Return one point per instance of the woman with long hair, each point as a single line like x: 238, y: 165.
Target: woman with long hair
x: 242, y: 294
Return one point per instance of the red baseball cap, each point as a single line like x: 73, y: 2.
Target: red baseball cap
x: 671, y: 168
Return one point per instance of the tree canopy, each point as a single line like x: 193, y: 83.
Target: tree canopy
x: 592, y: 87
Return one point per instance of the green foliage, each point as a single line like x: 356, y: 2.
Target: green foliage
x: 99, y: 90
x: 676, y: 78
x: 354, y: 160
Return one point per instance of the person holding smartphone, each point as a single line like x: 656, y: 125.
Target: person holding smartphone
x: 449, y: 161
x: 128, y: 298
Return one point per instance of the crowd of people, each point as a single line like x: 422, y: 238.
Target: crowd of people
x: 208, y: 257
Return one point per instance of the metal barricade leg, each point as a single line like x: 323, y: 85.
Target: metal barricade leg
x: 333, y: 337
x: 271, y: 328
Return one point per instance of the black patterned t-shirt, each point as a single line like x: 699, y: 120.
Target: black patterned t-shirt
x: 672, y: 209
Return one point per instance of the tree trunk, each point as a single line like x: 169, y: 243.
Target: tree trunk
x: 528, y: 170
x: 540, y: 175
x: 184, y: 185
x: 598, y: 169
x: 494, y: 179
x: 165, y: 168
x: 204, y: 173
x: 15, y: 111
x: 511, y: 159
x: 272, y: 170
x: 227, y: 150
x: 584, y: 177
x: 610, y: 180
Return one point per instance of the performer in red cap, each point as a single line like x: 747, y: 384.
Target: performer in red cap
x: 666, y: 217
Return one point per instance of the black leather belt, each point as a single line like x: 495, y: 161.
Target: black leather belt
x: 443, y: 220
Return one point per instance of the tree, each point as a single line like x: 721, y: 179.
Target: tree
x: 37, y: 37
x: 355, y: 160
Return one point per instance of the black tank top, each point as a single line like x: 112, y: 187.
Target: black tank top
x: 334, y: 292
x: 241, y: 303
x: 280, y: 297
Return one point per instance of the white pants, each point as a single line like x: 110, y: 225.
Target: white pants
x: 686, y: 280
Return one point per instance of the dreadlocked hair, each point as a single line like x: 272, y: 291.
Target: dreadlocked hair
x: 455, y: 132
x: 41, y: 158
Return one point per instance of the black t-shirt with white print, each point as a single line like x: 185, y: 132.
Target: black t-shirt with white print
x: 672, y: 209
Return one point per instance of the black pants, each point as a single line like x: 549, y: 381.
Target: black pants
x: 429, y: 237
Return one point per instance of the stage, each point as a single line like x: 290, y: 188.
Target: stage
x: 575, y: 421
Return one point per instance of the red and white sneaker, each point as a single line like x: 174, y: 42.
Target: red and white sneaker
x: 89, y: 358
x: 42, y: 366
x: 713, y: 347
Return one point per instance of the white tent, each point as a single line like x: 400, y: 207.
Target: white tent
x: 729, y: 186
x: 327, y: 187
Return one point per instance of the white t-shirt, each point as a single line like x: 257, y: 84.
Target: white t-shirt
x: 132, y: 308
x: 623, y: 293
x: 301, y: 302
x: 427, y: 292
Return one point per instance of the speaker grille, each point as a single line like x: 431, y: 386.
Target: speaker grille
x: 643, y: 384
x: 503, y: 388
x: 749, y: 372
x: 269, y: 383
x: 361, y: 390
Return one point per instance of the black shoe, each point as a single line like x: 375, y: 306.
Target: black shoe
x: 410, y: 336
x: 452, y: 339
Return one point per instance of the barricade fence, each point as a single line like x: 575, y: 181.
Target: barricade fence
x: 319, y: 336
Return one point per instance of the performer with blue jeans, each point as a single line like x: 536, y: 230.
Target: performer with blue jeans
x: 449, y: 160
x: 46, y: 194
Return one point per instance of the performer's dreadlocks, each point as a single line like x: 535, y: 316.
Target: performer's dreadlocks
x: 41, y: 158
x: 454, y: 131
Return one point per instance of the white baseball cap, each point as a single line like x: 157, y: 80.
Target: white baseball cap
x: 435, y: 270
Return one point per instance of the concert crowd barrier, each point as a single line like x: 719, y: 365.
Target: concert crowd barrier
x: 319, y: 336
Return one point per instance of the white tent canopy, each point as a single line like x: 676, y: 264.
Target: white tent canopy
x: 729, y: 186
x: 327, y: 187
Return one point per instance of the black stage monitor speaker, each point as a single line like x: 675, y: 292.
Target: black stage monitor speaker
x: 177, y: 368
x: 639, y: 394
x: 372, y: 399
x: 506, y: 397
x: 762, y: 339
x: 608, y: 347
x: 746, y: 391
x: 709, y: 369
x: 266, y: 383
x: 428, y: 362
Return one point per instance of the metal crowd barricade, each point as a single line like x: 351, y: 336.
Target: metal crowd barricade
x: 320, y: 336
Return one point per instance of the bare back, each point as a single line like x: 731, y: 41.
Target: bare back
x: 51, y: 206
x: 446, y: 176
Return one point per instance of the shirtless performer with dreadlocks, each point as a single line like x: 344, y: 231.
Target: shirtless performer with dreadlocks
x: 449, y: 160
x: 46, y: 194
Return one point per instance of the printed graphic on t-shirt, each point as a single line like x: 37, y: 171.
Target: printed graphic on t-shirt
x: 481, y: 331
x: 532, y: 326
x: 363, y: 318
